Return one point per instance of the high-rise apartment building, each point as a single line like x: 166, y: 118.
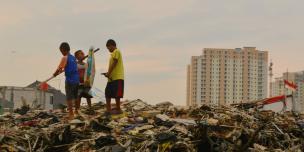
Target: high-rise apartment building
x: 226, y: 76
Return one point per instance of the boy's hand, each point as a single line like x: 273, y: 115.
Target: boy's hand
x: 105, y: 74
x: 56, y: 73
x: 87, y: 83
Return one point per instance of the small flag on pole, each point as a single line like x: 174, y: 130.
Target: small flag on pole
x: 44, y: 86
x: 290, y: 85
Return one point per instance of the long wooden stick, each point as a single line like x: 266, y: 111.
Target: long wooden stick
x: 94, y: 52
x: 47, y: 80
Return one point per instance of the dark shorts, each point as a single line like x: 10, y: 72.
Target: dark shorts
x: 115, y: 89
x: 83, y: 92
x: 71, y: 91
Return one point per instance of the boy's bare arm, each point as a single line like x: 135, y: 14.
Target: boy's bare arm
x: 61, y: 66
x: 112, y: 66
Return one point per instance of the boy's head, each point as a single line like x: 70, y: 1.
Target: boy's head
x: 111, y: 45
x: 79, y: 55
x: 64, y: 48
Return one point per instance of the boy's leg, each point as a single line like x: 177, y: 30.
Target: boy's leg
x: 70, y: 98
x: 119, y: 93
x: 77, y: 105
x: 108, y: 106
x: 70, y: 108
x: 117, y: 104
x: 89, y: 102
x: 78, y: 99
x: 108, y: 92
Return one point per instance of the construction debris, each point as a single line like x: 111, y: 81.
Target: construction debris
x: 146, y: 128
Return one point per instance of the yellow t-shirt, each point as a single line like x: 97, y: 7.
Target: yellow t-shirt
x: 118, y: 71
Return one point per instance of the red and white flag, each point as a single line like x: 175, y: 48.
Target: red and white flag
x: 274, y: 100
x: 290, y: 85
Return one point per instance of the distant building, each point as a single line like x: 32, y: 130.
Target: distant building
x: 32, y: 96
x: 58, y: 97
x: 226, y: 76
x: 278, y: 88
x: 6, y: 106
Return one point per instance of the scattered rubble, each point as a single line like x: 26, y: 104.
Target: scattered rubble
x: 146, y: 128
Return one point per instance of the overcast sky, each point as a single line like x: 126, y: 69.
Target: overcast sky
x: 157, y: 38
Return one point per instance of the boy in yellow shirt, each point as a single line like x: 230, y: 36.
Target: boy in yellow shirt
x: 115, y: 75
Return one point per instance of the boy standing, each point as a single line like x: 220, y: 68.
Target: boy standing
x: 68, y: 64
x: 115, y: 75
x: 83, y: 89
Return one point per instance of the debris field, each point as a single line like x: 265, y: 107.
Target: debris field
x: 147, y: 128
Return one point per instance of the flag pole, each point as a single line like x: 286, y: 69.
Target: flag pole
x: 286, y: 89
x: 293, y: 102
x: 293, y: 107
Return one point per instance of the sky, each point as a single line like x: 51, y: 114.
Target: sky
x: 157, y: 38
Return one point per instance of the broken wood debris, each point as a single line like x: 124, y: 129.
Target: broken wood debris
x: 147, y: 128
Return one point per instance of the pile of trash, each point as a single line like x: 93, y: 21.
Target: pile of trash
x: 147, y: 128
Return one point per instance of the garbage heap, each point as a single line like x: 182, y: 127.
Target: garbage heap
x: 146, y: 128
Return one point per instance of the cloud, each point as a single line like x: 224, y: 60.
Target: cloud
x: 149, y: 67
x: 91, y: 7
x: 12, y: 18
x: 22, y: 68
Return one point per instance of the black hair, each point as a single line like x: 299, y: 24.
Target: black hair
x: 111, y: 42
x: 75, y: 54
x: 65, y: 46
